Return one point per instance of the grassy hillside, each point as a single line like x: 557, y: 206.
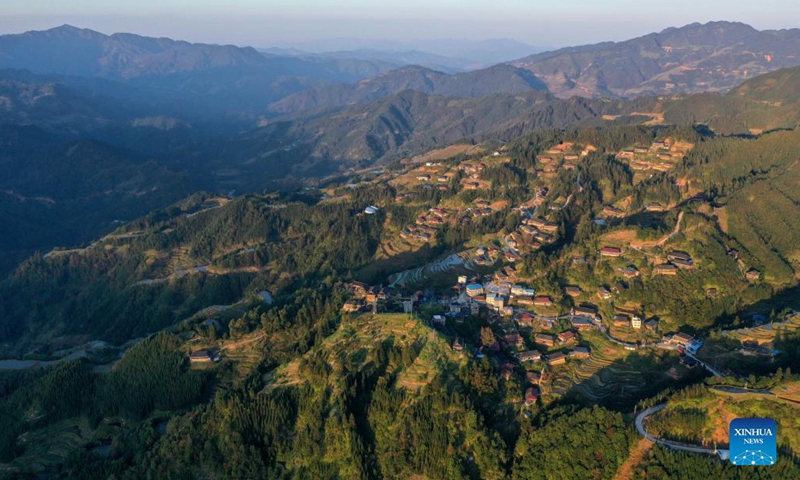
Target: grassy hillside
x: 701, y: 415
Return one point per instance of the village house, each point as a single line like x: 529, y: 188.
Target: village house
x: 666, y: 269
x: 585, y: 311
x: 438, y: 320
x: 474, y: 289
x: 711, y: 292
x: 588, y: 149
x: 376, y: 294
x: 686, y: 341
x: 558, y: 358
x: 683, y: 264
x: 544, y: 339
x: 523, y: 300
x: 615, y: 212
x: 611, y: 252
x: 514, y: 340
x: 621, y: 320
x: 532, y: 376
x: 521, y: 290
x: 543, y: 238
x: 439, y: 212
x: 655, y: 207
x: 579, y: 352
x: 679, y: 255
x: 651, y: 325
x: 201, y: 356
x: 423, y: 178
x: 542, y: 301
x: 530, y: 356
x: 549, y: 227
x: 636, y: 322
x: 531, y: 395
x: 681, y: 338
x: 629, y: 272
x: 525, y: 319
x: 604, y: 293
x: 456, y: 307
x: 567, y: 337
x: 495, y: 300
x: 581, y: 323
x: 458, y: 345
x: 752, y: 275
x: 572, y: 291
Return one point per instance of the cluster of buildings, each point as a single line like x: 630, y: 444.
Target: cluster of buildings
x: 676, y: 260
x: 660, y: 156
x: 563, y: 156
x: 499, y: 295
x: 426, y: 225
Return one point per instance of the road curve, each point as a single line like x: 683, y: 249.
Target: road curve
x: 640, y: 418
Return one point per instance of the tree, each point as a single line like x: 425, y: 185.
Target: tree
x: 487, y: 336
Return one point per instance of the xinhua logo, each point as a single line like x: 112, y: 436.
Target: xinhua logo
x: 753, y: 441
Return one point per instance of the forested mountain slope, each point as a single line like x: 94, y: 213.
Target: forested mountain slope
x: 60, y: 191
x: 497, y: 79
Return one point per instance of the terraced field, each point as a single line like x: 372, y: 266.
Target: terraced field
x: 347, y: 345
x: 601, y: 375
x: 50, y: 446
x: 765, y: 333
x: 445, y: 265
x: 394, y: 246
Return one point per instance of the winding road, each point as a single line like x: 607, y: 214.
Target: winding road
x: 642, y: 416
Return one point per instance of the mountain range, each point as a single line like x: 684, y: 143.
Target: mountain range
x: 158, y: 115
x: 696, y: 58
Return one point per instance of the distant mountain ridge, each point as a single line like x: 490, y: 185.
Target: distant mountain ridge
x: 715, y: 56
x: 88, y: 53
x: 497, y: 79
x: 224, y: 78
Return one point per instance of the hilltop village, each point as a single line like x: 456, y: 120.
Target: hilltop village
x: 548, y: 332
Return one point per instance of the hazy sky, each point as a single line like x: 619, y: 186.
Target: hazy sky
x: 285, y: 22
